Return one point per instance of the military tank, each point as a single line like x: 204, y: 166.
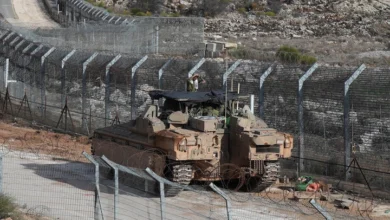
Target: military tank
x: 197, y: 136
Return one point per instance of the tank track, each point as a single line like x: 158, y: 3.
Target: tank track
x: 271, y: 174
x: 181, y: 174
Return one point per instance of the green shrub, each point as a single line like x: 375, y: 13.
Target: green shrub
x: 239, y: 53
x: 164, y: 14
x: 101, y: 4
x: 270, y: 13
x: 140, y: 13
x: 134, y: 11
x: 126, y: 12
x: 241, y: 10
x: 7, y: 207
x: 307, y: 60
x: 292, y: 55
x: 177, y: 14
x: 288, y: 54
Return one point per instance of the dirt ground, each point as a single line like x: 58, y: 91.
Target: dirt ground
x: 21, y: 137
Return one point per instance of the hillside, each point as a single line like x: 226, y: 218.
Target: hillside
x: 338, y: 32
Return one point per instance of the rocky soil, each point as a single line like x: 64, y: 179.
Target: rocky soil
x: 343, y: 32
x: 335, y: 31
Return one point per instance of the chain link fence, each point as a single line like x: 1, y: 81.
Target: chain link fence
x: 82, y: 90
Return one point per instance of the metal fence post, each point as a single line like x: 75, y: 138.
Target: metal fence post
x: 221, y: 193
x: 107, y: 90
x: 133, y: 83
x: 116, y: 185
x: 161, y: 71
x: 194, y: 69
x: 84, y: 89
x: 63, y: 76
x: 98, y: 206
x: 6, y: 69
x: 33, y: 76
x: 228, y: 72
x: 261, y: 95
x: 301, y: 147
x: 347, y: 139
x: 43, y: 85
x: 162, y: 190
x: 1, y: 174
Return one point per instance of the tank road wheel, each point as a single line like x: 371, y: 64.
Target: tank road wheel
x: 178, y: 173
x: 182, y: 174
x: 271, y: 174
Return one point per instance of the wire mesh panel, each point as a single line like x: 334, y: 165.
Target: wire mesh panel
x: 369, y: 125
x: 323, y: 97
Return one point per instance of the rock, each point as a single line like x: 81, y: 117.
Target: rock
x: 217, y: 37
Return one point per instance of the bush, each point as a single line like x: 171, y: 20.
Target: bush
x: 140, y: 13
x: 288, y: 54
x: 270, y: 13
x: 7, y: 207
x: 134, y: 11
x: 239, y: 53
x: 308, y: 60
x: 241, y: 10
x: 292, y: 55
x: 101, y: 4
x: 126, y: 12
x: 164, y: 14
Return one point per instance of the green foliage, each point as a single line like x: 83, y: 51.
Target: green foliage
x: 134, y: 11
x: 270, y: 13
x: 100, y: 4
x: 308, y: 60
x: 292, y: 55
x: 164, y: 14
x: 288, y: 54
x: 7, y: 207
x: 239, y: 53
x: 125, y: 12
x: 241, y: 10
x: 140, y: 13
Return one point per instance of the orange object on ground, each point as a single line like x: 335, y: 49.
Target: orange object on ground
x: 313, y: 187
